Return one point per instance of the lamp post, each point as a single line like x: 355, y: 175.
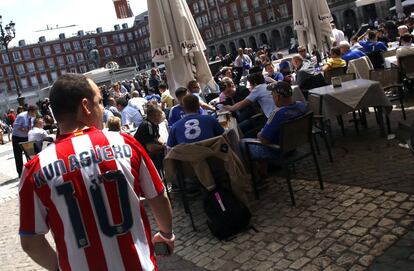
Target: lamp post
x: 6, y: 35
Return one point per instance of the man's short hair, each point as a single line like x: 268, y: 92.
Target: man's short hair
x: 135, y: 94
x: 297, y: 57
x: 372, y: 35
x: 67, y: 93
x: 32, y: 108
x: 37, y: 120
x: 162, y: 85
x: 335, y: 50
x: 152, y: 109
x: 406, y: 38
x: 255, y: 76
x: 269, y: 64
x: 122, y: 101
x: 191, y: 83
x: 344, y: 43
x: 191, y: 103
x: 180, y: 92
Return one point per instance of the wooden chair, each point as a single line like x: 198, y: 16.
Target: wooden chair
x: 28, y: 149
x: 406, y: 65
x: 294, y: 134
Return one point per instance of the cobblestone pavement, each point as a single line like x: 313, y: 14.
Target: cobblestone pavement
x: 362, y: 220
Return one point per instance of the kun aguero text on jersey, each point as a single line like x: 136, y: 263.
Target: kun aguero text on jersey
x: 84, y: 159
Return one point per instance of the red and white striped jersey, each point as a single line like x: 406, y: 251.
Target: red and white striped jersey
x: 86, y: 188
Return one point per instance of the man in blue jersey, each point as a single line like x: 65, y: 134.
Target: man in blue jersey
x: 372, y: 44
x: 193, y: 127
x: 347, y: 54
x: 177, y: 111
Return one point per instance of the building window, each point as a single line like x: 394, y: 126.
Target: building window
x: 34, y: 81
x: 128, y: 60
x: 50, y: 63
x: 104, y: 40
x: 255, y: 3
x: 270, y: 14
x: 115, y: 38
x: 20, y: 69
x: 92, y: 41
x: 80, y: 57
x: 76, y: 45
x: 130, y: 36
x: 73, y: 70
x: 70, y: 59
x: 237, y: 25
x: 8, y: 70
x: 44, y: 78
x: 132, y: 47
x: 57, y: 48
x: 24, y: 83
x: 195, y: 7
x: 17, y: 56
x: 26, y: 54
x: 224, y: 13
x: 218, y: 31
x: 211, y: 3
x: 258, y: 18
x: 283, y: 9
x: 66, y: 47
x: 201, y: 5
x: 204, y: 18
x: 54, y: 76
x: 199, y: 22
x: 5, y: 58
x: 247, y: 22
x: 214, y: 16
x: 107, y: 52
x: 30, y: 67
x: 47, y: 50
x: 1, y: 73
x: 227, y: 28
x: 118, y: 50
x: 121, y: 37
x: 83, y: 69
x: 37, y: 52
x: 125, y: 48
x: 244, y: 7
x: 40, y: 65
x: 234, y: 9
x: 208, y: 34
x: 61, y: 61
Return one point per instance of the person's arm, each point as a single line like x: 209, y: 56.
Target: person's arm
x: 240, y: 105
x: 207, y: 106
x: 161, y: 208
x: 40, y: 251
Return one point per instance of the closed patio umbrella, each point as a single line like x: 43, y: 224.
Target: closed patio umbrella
x: 176, y: 41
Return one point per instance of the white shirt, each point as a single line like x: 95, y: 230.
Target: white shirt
x: 130, y: 115
x: 238, y: 62
x: 138, y: 103
x: 38, y: 135
x: 405, y: 51
x: 264, y: 98
x: 338, y: 35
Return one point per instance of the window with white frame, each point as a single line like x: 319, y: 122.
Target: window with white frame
x: 211, y: 3
x: 255, y: 3
x: 130, y: 36
x: 199, y: 22
x: 47, y: 50
x: 24, y: 83
x: 115, y: 38
x: 73, y: 70
x: 234, y: 9
x: 34, y: 80
x: 8, y: 70
x: 54, y: 76
x: 57, y: 48
x: 204, y: 18
x: 30, y: 67
x: 132, y: 47
x: 201, y: 5
x: 37, y: 52
x: 107, y: 51
x: 283, y: 9
x: 121, y: 37
x: 61, y: 61
x: 224, y: 14
x: 104, y: 40
x: 214, y: 16
x: 16, y: 56
x: 77, y: 45
x: 66, y: 46
x: 83, y: 69
x: 40, y: 65
x: 227, y: 28
x: 80, y: 57
x: 247, y: 22
x: 70, y: 59
x: 44, y: 78
x: 5, y: 58
x: 1, y: 73
x: 26, y: 54
x: 124, y: 48
x: 195, y: 7
x: 258, y: 18
x: 270, y: 14
x: 237, y: 26
x: 118, y: 50
x: 50, y: 63
x: 244, y: 7
x: 20, y: 69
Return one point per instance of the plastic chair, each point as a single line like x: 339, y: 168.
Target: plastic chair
x: 294, y: 134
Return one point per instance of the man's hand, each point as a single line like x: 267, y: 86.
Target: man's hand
x: 228, y: 108
x: 168, y: 240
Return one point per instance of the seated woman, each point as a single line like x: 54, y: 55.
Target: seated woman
x: 149, y: 136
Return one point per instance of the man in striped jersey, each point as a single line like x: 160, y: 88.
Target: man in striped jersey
x: 87, y: 187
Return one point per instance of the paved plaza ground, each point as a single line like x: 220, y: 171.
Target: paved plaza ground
x: 362, y: 220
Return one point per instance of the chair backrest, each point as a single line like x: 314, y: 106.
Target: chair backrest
x: 347, y: 77
x: 28, y: 149
x: 389, y: 53
x: 332, y: 73
x: 297, y: 132
x: 386, y: 77
x: 377, y: 59
x: 406, y: 64
x: 361, y: 67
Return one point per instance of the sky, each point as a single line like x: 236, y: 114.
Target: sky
x: 32, y: 15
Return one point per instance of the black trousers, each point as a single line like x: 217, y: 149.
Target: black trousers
x: 18, y: 153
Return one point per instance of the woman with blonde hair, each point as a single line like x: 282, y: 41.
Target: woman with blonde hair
x: 114, y: 124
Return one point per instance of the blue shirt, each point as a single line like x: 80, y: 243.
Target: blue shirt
x: 23, y: 120
x: 271, y: 130
x: 177, y: 113
x: 352, y: 54
x: 155, y: 97
x: 370, y: 46
x: 193, y: 128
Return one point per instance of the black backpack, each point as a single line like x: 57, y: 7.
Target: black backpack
x: 226, y: 215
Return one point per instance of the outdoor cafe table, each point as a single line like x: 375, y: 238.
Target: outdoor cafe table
x: 390, y: 61
x: 351, y: 96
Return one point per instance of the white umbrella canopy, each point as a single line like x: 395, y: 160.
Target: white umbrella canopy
x: 312, y: 23
x: 176, y: 41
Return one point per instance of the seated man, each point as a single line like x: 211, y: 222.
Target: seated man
x: 303, y: 68
x: 335, y: 61
x: 271, y: 75
x: 193, y: 127
x: 287, y: 110
x: 149, y: 136
x: 372, y: 44
x: 137, y: 101
x: 152, y: 96
x: 194, y: 88
x: 38, y: 134
x: 347, y: 54
x: 303, y: 53
x: 177, y: 111
x: 406, y: 47
x: 130, y: 116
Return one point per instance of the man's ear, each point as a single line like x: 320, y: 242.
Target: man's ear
x: 84, y: 107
